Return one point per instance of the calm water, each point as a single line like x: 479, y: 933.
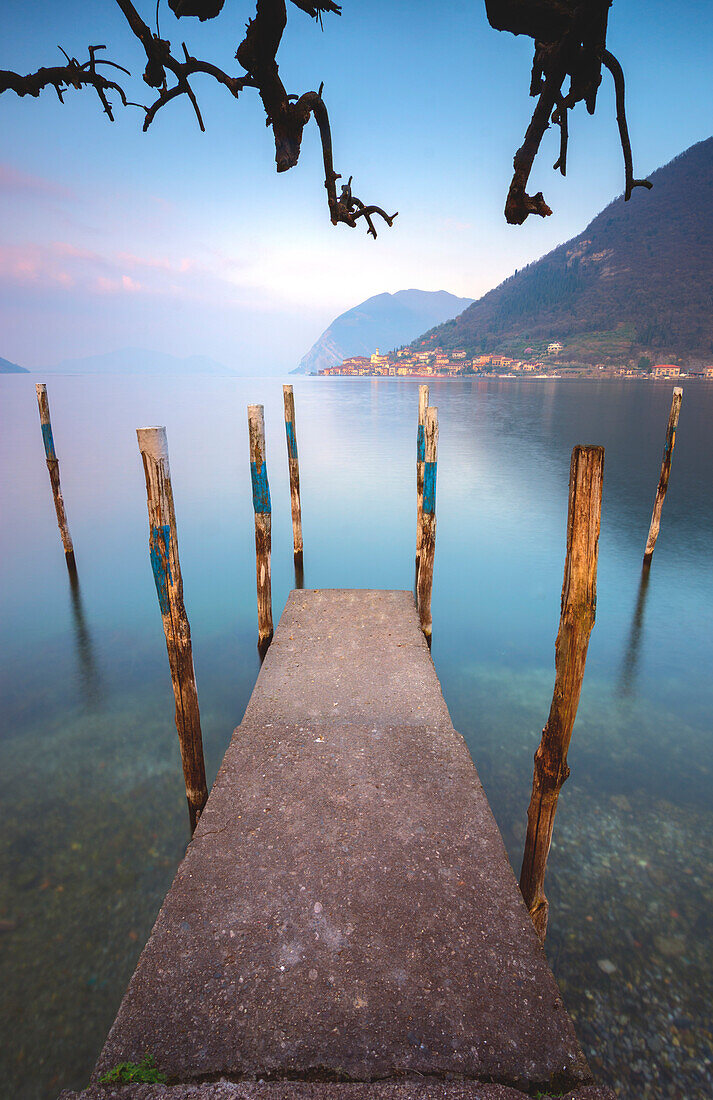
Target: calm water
x: 94, y: 816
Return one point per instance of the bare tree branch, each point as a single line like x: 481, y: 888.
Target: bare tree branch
x: 171, y: 76
x: 202, y: 9
x: 617, y: 73
x: 570, y: 41
x: 519, y: 205
x: 182, y: 70
x: 71, y: 75
x: 316, y: 8
x: 346, y: 208
x: 560, y: 118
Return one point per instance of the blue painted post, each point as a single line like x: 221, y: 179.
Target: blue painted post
x: 293, y: 462
x: 420, y: 461
x: 163, y: 551
x: 428, y: 534
x: 53, y: 468
x: 263, y: 524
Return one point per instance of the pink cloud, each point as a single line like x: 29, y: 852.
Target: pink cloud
x: 62, y: 266
x: 123, y: 284
x: 158, y: 263
x: 106, y: 286
x: 15, y: 182
x: 64, y: 248
x: 42, y: 265
x: 19, y: 262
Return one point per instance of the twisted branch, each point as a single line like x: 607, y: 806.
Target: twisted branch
x: 618, y: 75
x: 347, y: 208
x: 570, y: 40
x: 560, y: 118
x: 71, y: 75
x: 182, y: 70
x: 287, y: 115
x: 519, y: 205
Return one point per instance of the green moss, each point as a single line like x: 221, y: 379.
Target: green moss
x: 128, y: 1072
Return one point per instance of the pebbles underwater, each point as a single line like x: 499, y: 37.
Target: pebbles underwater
x: 97, y: 828
x: 629, y: 881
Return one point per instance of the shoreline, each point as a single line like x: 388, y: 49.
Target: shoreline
x: 580, y: 377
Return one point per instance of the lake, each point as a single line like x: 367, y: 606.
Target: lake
x: 94, y: 814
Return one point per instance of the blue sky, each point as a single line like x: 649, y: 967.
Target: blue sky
x: 190, y: 243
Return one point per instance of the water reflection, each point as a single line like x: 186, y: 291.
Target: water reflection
x: 95, y: 822
x: 627, y: 678
x: 89, y: 678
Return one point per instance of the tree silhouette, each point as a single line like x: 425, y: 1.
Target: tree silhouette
x: 570, y: 41
x: 170, y: 77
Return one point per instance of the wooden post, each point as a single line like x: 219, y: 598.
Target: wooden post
x: 53, y: 467
x: 665, y: 472
x: 263, y: 524
x: 428, y: 532
x: 579, y: 598
x: 420, y: 460
x: 163, y: 549
x: 294, y: 465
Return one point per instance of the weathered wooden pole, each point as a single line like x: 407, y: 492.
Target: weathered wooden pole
x: 263, y: 524
x: 420, y: 460
x: 53, y: 467
x: 428, y: 527
x: 665, y: 472
x: 579, y: 599
x: 294, y: 465
x: 163, y: 549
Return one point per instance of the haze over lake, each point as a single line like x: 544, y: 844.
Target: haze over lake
x: 95, y: 820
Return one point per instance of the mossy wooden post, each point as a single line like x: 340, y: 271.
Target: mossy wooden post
x: 53, y: 467
x: 163, y: 549
x: 294, y: 465
x: 665, y: 472
x: 420, y: 460
x: 428, y: 532
x: 579, y: 599
x: 263, y: 524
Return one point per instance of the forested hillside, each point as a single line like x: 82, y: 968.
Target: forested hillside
x: 638, y: 282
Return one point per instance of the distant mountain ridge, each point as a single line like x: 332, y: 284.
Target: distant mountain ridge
x: 385, y: 321
x: 6, y: 367
x: 637, y: 282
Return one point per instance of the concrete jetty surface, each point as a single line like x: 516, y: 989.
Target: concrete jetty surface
x: 345, y: 922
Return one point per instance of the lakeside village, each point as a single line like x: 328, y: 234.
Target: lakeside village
x: 416, y: 364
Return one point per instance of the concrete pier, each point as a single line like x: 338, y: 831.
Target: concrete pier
x: 345, y: 922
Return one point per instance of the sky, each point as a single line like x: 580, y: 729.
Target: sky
x: 190, y: 243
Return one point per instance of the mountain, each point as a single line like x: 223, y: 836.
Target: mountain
x: 638, y: 282
x: 385, y: 321
x: 139, y: 361
x: 6, y: 367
